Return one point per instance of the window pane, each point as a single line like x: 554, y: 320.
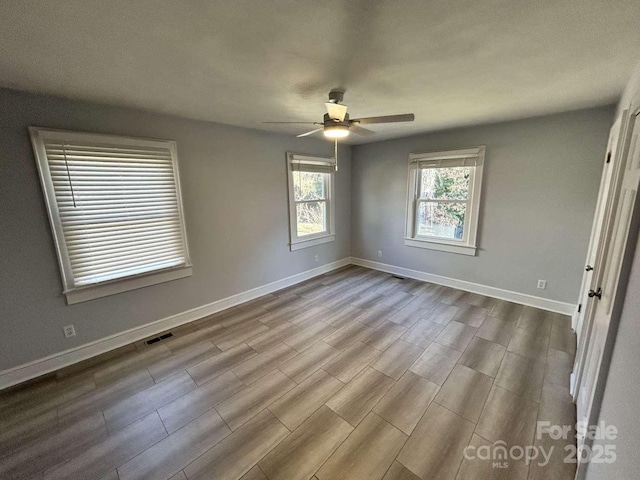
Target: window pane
x: 311, y: 218
x: 444, y: 220
x: 445, y: 183
x: 308, y: 186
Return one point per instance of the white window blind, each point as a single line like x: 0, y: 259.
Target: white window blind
x: 114, y: 203
x: 446, y: 163
x: 464, y: 158
x: 313, y: 166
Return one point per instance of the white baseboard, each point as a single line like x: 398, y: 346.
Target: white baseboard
x: 63, y: 359
x: 524, y: 299
x: 60, y: 360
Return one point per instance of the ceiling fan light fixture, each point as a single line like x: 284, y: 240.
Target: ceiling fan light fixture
x: 337, y: 124
x: 336, y: 131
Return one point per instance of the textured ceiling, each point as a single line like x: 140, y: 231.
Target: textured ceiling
x: 243, y: 62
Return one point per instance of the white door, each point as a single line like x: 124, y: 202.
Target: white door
x: 615, y: 245
x: 593, y: 264
x: 602, y: 207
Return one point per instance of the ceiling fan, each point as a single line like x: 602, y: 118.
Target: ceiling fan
x: 337, y: 124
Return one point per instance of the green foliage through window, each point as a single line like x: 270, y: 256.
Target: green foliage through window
x: 310, y: 198
x: 444, y: 218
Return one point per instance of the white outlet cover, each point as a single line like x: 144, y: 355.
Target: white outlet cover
x: 69, y: 331
x: 542, y: 284
x: 379, y: 253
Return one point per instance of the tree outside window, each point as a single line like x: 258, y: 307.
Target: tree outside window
x: 443, y: 202
x: 310, y: 198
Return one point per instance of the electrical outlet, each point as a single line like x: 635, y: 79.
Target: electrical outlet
x: 542, y: 284
x: 379, y: 253
x: 69, y: 331
x: 317, y: 258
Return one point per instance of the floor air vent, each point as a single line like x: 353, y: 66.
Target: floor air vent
x: 157, y: 339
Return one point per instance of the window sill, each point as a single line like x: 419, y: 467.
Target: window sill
x: 312, y: 242
x: 441, y: 246
x: 91, y: 292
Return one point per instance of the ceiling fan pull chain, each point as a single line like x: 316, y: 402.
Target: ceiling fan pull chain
x: 335, y: 152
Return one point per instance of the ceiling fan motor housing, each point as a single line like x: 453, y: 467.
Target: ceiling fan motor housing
x: 328, y: 121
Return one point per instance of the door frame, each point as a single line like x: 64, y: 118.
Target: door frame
x: 620, y: 293
x: 582, y: 321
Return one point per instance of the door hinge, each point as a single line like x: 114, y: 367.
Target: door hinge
x: 579, y: 308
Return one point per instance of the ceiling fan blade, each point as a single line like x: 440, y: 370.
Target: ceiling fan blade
x: 336, y: 111
x: 365, y: 132
x: 405, y: 117
x: 309, y: 133
x: 298, y: 123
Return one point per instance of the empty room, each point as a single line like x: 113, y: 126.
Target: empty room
x: 319, y: 240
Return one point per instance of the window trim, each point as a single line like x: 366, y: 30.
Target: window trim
x: 77, y: 294
x: 466, y: 246
x: 296, y: 242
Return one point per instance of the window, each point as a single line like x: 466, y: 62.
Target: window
x: 311, y: 211
x: 443, y: 200
x: 115, y: 210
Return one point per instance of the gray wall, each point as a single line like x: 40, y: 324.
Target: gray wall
x: 619, y: 405
x: 540, y: 186
x: 235, y: 199
x: 631, y: 94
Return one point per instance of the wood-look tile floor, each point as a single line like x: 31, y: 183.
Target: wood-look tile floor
x: 351, y: 375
